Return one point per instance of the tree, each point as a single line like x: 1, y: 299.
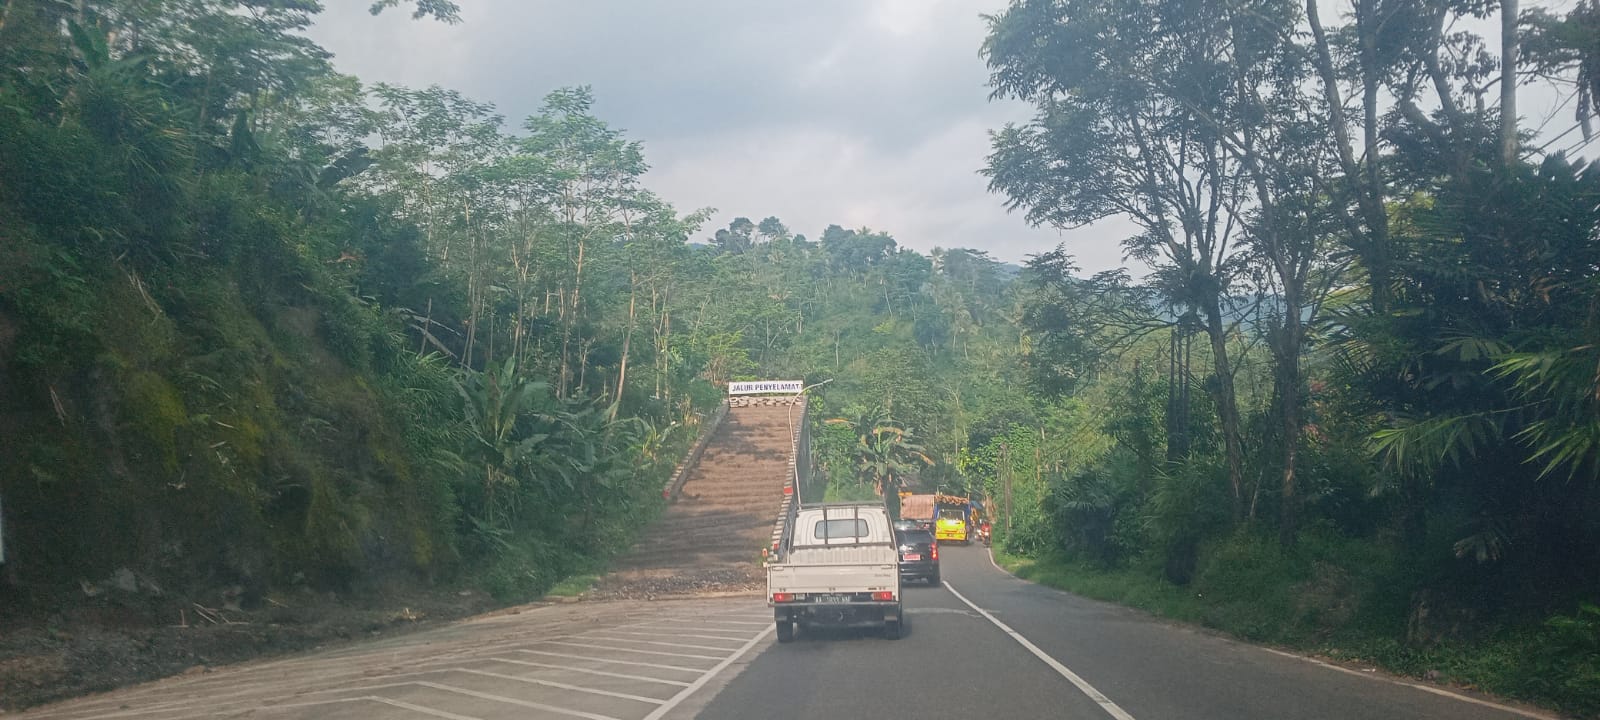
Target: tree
x: 1114, y: 137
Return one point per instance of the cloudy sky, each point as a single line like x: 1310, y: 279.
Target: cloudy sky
x: 853, y: 112
x: 856, y: 112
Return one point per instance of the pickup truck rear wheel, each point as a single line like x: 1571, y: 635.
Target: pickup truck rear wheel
x: 891, y: 629
x: 785, y: 631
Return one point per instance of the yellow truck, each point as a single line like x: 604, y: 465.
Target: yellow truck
x: 953, y: 520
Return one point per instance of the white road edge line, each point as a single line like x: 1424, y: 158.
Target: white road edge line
x: 1105, y: 703
x: 1425, y: 688
x: 684, y: 694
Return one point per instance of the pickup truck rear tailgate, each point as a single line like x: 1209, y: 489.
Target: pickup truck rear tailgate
x: 836, y: 569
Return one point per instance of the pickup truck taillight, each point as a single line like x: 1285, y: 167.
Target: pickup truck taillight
x: 782, y: 597
x: 883, y: 595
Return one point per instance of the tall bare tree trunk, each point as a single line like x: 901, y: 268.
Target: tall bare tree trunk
x: 570, y: 316
x: 1508, y: 82
x: 627, y: 341
x: 1289, y: 342
x: 1227, y: 405
x: 1372, y: 242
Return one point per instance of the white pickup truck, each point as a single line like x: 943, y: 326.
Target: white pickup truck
x: 836, y: 563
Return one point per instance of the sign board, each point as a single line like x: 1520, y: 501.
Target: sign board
x: 763, y: 387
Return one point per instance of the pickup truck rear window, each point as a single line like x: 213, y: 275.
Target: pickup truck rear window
x: 840, y: 529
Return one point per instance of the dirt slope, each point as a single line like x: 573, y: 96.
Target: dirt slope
x: 711, y: 538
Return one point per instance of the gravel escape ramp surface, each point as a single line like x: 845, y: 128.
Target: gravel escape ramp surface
x: 710, y: 540
x: 622, y: 660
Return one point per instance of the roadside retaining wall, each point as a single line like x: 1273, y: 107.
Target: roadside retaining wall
x: 680, y: 474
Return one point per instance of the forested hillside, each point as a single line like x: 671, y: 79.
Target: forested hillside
x: 265, y: 327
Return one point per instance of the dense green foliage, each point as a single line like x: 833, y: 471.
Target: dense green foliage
x: 1355, y: 405
x: 263, y: 325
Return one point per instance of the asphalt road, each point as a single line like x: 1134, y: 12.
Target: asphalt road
x: 1063, y: 657
x: 985, y: 646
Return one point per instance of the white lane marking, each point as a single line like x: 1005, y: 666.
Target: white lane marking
x: 730, y: 634
x: 997, y: 565
x: 610, y: 661
x: 1105, y: 703
x: 569, y: 668
x: 374, y: 698
x: 369, y: 698
x: 718, y: 622
x: 418, y: 708
x: 596, y: 635
x: 566, y: 686
x: 632, y: 650
x: 485, y: 673
x: 1424, y: 688
x: 677, y: 635
x: 513, y: 701
x: 684, y: 694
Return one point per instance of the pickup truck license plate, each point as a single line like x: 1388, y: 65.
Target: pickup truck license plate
x: 913, y: 556
x: 835, y: 599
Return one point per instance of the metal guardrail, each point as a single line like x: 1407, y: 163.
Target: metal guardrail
x: 783, y: 529
x: 680, y: 474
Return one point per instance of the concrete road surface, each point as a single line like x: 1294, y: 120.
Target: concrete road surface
x: 985, y: 646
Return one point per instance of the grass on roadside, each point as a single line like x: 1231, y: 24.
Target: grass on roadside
x: 1343, y: 612
x: 573, y: 586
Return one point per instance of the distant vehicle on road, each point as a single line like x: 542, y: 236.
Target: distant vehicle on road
x: 920, y: 507
x: 954, y: 517
x: 914, y: 525
x: 919, y: 554
x: 836, y: 564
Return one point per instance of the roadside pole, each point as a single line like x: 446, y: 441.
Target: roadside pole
x: 1005, y: 482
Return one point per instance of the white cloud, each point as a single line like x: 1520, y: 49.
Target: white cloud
x: 833, y: 111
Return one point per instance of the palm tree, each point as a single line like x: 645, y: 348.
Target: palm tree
x: 886, y: 456
x: 496, y: 403
x: 863, y: 420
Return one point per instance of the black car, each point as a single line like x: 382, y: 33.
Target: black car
x: 919, y: 555
x: 913, y: 525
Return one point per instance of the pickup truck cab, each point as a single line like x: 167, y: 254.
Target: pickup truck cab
x: 836, y: 564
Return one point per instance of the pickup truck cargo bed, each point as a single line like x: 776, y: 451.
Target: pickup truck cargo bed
x: 836, y: 563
